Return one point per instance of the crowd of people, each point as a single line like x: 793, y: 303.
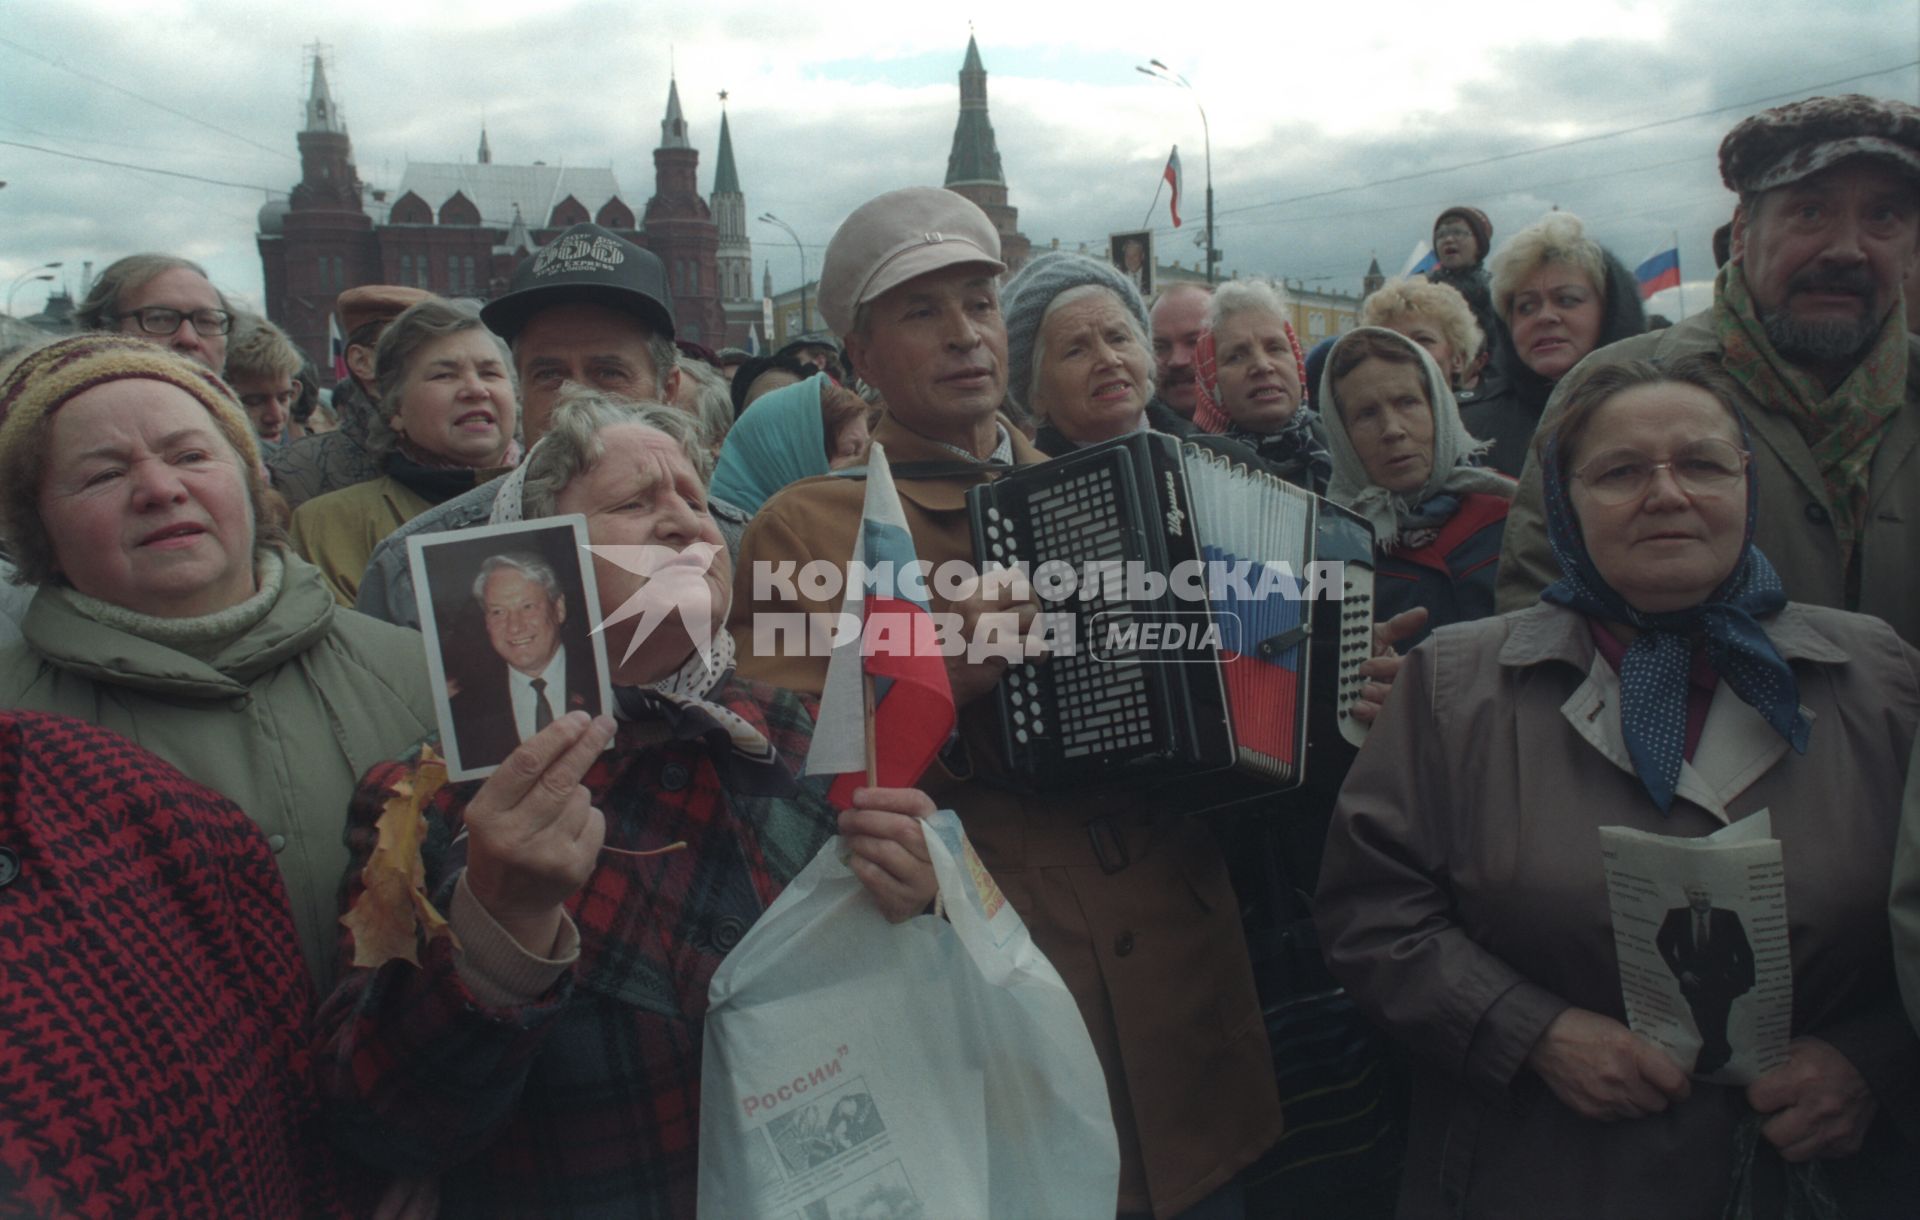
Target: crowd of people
x: 1659, y: 580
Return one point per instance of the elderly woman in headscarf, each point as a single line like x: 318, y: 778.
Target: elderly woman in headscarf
x: 1666, y: 685
x: 812, y: 427
x: 1402, y: 460
x: 547, y: 1057
x: 451, y: 413
x: 1562, y: 296
x: 170, y: 611
x: 1251, y: 375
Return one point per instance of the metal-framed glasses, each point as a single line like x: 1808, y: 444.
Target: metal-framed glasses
x: 1707, y: 467
x: 159, y: 320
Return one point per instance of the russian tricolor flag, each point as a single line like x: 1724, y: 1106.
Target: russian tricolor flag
x: 336, y: 349
x: 1171, y: 175
x: 1660, y: 271
x: 1421, y: 261
x: 895, y: 649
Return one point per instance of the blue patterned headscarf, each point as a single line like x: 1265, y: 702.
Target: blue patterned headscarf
x: 1653, y: 676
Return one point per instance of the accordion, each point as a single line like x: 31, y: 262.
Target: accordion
x: 1205, y: 633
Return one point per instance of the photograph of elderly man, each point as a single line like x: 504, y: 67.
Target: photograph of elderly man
x: 540, y: 670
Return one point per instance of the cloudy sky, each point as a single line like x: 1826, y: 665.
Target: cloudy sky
x: 1337, y: 134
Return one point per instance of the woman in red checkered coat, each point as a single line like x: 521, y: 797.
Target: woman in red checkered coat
x: 545, y: 1059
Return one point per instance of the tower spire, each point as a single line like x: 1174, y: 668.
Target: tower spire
x: 322, y: 115
x: 673, y: 128
x: 486, y: 154
x: 975, y: 157
x: 726, y: 179
x: 973, y: 167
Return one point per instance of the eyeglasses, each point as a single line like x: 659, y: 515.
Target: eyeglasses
x: 1453, y: 231
x: 1701, y: 468
x: 159, y: 320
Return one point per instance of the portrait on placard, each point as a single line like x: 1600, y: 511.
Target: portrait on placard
x: 1132, y: 253
x: 508, y: 613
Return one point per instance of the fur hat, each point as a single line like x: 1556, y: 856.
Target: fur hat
x: 1474, y: 219
x: 1029, y: 293
x: 1788, y: 143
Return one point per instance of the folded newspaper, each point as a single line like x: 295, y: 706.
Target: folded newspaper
x: 1700, y: 928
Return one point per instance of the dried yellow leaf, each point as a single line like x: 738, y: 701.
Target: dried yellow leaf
x: 391, y: 911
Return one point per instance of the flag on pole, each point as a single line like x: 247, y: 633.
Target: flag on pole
x: 1660, y: 271
x: 336, y: 347
x: 753, y: 339
x: 1172, y: 175
x: 894, y: 648
x: 1421, y: 261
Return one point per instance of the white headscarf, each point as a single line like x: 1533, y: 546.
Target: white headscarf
x: 1393, y: 514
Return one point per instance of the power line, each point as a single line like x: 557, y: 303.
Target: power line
x: 157, y: 105
x: 145, y: 169
x: 1576, y: 141
x: 1527, y: 152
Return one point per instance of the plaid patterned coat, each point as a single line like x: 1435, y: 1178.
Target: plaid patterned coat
x: 153, y: 1045
x: 586, y: 1102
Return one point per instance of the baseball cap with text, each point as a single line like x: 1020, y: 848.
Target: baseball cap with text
x: 589, y: 265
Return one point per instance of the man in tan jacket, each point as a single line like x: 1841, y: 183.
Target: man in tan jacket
x: 1807, y: 318
x: 1152, y: 950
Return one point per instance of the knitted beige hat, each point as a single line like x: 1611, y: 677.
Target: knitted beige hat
x: 47, y: 378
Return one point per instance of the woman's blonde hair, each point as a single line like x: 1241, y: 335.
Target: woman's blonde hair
x: 1420, y: 297
x: 1558, y: 238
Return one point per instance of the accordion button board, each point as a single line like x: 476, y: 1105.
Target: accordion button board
x: 1165, y: 678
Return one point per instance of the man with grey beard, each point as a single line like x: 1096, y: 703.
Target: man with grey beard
x: 1807, y: 318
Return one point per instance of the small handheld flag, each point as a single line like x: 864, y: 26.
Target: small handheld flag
x: 1659, y: 272
x: 886, y: 708
x: 336, y: 348
x: 1421, y: 261
x: 1172, y: 176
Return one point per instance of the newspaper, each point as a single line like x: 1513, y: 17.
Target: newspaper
x: 829, y: 1134
x: 1700, y: 928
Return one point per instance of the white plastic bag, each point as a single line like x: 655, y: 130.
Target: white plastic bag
x: 935, y: 1068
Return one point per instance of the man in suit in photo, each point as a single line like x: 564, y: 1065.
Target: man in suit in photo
x: 1706, y: 948
x: 540, y: 678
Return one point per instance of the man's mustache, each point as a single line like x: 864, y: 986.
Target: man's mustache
x: 1856, y: 280
x: 1179, y: 376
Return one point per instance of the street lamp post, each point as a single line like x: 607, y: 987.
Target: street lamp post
x: 771, y: 219
x: 1160, y: 71
x: 28, y: 277
x: 20, y: 281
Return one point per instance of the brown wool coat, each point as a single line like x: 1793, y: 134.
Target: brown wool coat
x: 1794, y: 529
x: 1462, y: 901
x: 1153, y: 953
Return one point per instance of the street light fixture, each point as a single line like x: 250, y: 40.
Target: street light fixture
x: 24, y: 278
x: 771, y: 219
x: 1160, y: 71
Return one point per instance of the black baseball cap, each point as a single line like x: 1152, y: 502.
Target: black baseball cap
x: 590, y: 265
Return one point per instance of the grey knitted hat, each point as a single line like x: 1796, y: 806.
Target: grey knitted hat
x: 1029, y: 293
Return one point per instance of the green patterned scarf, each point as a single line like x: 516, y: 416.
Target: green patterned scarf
x: 1842, y: 429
